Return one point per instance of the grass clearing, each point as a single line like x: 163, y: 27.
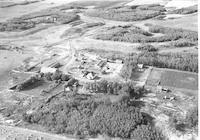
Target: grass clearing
x: 179, y: 80
x: 173, y: 78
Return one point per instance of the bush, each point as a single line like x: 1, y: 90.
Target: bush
x: 147, y: 47
x: 146, y: 132
x: 192, y: 118
x: 27, y: 83
x: 51, y: 87
x: 128, y: 69
x: 65, y: 77
x: 181, y: 43
x: 48, y: 76
x: 56, y: 76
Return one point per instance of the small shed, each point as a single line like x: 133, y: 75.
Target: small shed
x: 140, y: 66
x: 101, y: 64
x: 165, y: 90
x: 118, y: 61
x: 91, y: 76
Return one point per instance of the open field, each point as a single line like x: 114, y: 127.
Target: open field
x: 173, y: 78
x: 10, y: 133
x: 179, y: 80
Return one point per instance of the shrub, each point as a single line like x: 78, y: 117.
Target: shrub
x: 114, y: 88
x: 147, y: 47
x: 56, y: 76
x: 115, y: 120
x: 27, y: 83
x: 65, y: 77
x: 51, y: 87
x: 146, y: 132
x: 181, y: 43
x: 191, y: 119
x: 48, y: 76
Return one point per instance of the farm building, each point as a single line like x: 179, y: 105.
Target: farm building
x: 90, y: 75
x: 56, y: 65
x: 140, y: 66
x: 84, y: 73
x: 118, y: 61
x: 159, y: 89
x: 162, y: 89
x: 106, y: 69
x: 101, y: 64
x: 48, y: 70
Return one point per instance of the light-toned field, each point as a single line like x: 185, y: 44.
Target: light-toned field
x: 181, y: 3
x: 167, y: 3
x: 16, y: 133
x: 139, y: 2
x: 105, y: 45
x: 189, y: 22
x: 8, y: 61
x: 19, y: 10
x: 173, y: 79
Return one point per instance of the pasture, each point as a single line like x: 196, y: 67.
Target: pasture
x: 173, y: 78
x: 179, y: 79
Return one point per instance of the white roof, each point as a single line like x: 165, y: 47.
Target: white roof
x: 48, y: 69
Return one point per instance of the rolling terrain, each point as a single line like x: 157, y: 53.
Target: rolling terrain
x: 86, y: 69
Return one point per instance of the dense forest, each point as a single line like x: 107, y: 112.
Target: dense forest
x: 47, y: 16
x: 128, y: 13
x: 184, y: 62
x: 129, y: 33
x: 82, y: 115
